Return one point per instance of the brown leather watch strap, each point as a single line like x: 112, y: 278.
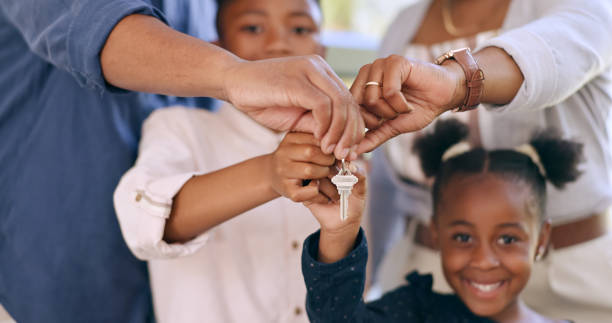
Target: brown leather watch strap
x: 473, y: 76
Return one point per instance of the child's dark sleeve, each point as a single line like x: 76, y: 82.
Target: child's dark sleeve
x: 334, y: 291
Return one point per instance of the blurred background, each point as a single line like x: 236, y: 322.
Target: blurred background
x: 353, y: 29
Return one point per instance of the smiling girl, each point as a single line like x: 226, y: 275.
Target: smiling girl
x: 488, y: 224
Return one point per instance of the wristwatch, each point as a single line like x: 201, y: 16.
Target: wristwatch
x: 473, y: 76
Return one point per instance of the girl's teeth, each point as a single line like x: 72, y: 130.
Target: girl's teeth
x: 486, y: 287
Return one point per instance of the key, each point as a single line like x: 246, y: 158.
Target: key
x: 344, y: 182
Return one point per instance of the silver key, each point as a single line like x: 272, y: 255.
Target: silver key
x: 344, y: 182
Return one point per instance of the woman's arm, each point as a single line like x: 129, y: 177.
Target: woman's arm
x: 534, y: 66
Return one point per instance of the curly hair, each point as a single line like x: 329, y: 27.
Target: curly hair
x: 558, y: 157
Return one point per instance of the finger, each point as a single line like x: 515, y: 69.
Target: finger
x: 340, y: 99
x: 309, y: 154
x: 300, y: 170
x: 316, y: 100
x: 377, y: 137
x: 327, y: 188
x: 359, y: 170
x: 300, y: 138
x: 306, y: 193
x: 355, y: 130
x: 319, y: 199
x: 373, y: 99
x: 358, y: 86
x: 371, y: 120
x: 338, y: 127
x: 396, y: 71
x: 306, y: 123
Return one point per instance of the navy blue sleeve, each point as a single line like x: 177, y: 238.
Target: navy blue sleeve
x: 70, y: 34
x: 334, y: 291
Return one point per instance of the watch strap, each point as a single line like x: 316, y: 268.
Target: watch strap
x: 474, y: 76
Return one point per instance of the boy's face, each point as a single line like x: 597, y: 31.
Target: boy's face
x: 260, y: 29
x: 488, y: 233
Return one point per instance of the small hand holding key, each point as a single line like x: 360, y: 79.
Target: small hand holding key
x: 344, y: 182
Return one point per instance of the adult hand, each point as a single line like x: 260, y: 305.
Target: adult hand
x: 280, y: 93
x: 412, y: 94
x: 298, y: 158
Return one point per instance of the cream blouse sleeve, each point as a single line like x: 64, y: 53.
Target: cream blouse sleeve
x: 560, y: 52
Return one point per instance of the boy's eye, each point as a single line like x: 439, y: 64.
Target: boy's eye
x: 253, y: 29
x: 462, y: 237
x: 301, y: 30
x: 507, y: 239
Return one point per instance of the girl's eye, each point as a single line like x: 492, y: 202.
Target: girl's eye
x: 507, y: 239
x: 462, y: 237
x: 302, y: 30
x: 253, y: 29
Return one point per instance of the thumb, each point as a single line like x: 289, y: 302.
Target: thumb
x: 377, y: 137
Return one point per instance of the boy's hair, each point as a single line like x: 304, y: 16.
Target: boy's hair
x: 221, y: 4
x: 559, y: 159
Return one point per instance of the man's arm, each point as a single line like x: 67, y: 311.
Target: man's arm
x: 143, y: 54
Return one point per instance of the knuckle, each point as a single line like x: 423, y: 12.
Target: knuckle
x: 365, y: 68
x: 279, y: 169
x: 309, y: 170
x: 309, y: 152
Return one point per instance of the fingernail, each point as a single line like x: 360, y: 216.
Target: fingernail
x: 353, y: 155
x: 344, y: 153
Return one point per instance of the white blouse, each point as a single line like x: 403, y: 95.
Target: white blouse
x: 244, y: 270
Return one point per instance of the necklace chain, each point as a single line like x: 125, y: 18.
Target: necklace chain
x: 447, y: 20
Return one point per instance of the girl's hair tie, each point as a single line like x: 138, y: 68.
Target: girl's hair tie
x: 456, y: 150
x: 532, y: 153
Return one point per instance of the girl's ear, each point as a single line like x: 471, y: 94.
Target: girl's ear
x: 543, y: 239
x: 433, y: 228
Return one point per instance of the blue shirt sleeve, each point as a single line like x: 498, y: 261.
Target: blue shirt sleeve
x: 71, y: 34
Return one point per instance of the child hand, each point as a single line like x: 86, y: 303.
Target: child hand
x: 297, y: 158
x: 327, y: 213
x: 338, y: 237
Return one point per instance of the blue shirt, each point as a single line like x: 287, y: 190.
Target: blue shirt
x: 335, y: 293
x: 66, y: 137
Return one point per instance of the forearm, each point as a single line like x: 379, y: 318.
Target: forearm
x: 208, y: 200
x: 143, y: 54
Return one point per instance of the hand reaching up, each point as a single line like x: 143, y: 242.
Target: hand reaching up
x: 337, y: 236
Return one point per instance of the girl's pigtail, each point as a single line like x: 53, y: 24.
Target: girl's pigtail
x: 559, y: 157
x: 432, y: 146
